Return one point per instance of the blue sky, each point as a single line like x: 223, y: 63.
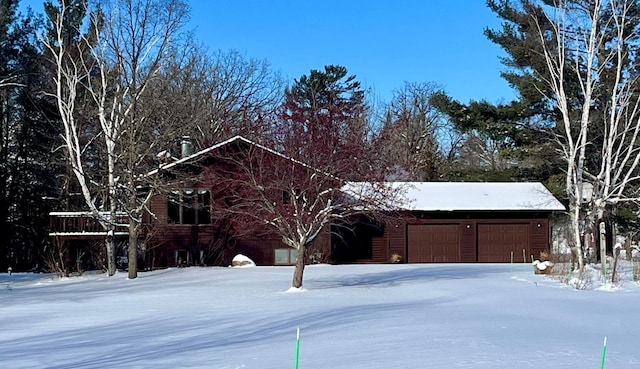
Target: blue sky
x: 384, y: 43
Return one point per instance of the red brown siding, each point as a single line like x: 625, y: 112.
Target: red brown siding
x: 397, y: 238
x: 463, y: 237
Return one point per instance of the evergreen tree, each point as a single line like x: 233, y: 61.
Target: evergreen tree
x: 517, y: 130
x: 325, y: 107
x: 574, y: 66
x: 26, y: 141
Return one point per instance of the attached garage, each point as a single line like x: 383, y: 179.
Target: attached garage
x: 485, y: 222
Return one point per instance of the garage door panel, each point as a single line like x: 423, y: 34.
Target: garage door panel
x: 433, y: 243
x: 496, y: 242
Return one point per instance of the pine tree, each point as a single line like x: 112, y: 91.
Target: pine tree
x: 26, y: 141
x: 326, y: 107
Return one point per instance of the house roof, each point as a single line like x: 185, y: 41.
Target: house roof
x: 477, y: 196
x: 217, y: 146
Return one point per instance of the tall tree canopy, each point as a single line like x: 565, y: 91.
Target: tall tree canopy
x: 413, y: 134
x: 323, y: 119
x: 574, y: 65
x: 26, y: 164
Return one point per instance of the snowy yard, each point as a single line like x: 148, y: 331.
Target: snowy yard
x: 350, y: 316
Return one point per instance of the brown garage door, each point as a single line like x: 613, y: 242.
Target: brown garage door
x: 497, y: 241
x: 433, y: 243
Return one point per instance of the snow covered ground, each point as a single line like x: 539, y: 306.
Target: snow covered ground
x: 350, y: 316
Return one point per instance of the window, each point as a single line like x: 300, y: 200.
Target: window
x: 285, y: 256
x: 190, y: 206
x: 204, y: 207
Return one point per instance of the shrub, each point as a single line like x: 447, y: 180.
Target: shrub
x: 395, y: 258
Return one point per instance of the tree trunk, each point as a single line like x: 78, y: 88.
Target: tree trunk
x: 299, y: 271
x: 111, y: 256
x: 577, y: 246
x: 133, y: 249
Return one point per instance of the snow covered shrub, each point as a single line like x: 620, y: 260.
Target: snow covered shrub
x: 542, y: 266
x: 582, y: 279
x: 566, y: 271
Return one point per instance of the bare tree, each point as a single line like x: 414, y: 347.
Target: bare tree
x: 297, y: 191
x: 265, y: 190
x: 593, y: 43
x: 480, y: 151
x: 127, y: 44
x: 411, y: 132
x: 138, y: 35
x: 243, y: 95
x: 72, y: 67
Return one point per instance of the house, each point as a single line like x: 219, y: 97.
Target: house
x: 448, y: 222
x: 439, y: 221
x: 189, y: 222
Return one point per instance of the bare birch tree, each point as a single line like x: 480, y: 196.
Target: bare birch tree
x: 593, y: 43
x: 128, y: 44
x: 72, y: 68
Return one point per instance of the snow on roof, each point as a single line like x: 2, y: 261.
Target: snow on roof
x: 218, y: 145
x: 475, y: 196
x: 199, y: 153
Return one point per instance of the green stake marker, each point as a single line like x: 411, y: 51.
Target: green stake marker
x: 604, y: 352
x: 297, y: 346
x: 524, y: 256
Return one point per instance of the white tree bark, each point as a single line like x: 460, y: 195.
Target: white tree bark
x: 69, y: 73
x: 122, y: 55
x: 581, y: 42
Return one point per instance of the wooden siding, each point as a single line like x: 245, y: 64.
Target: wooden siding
x: 166, y: 238
x: 397, y: 238
x: 468, y: 242
x: 540, y: 237
x: 379, y: 250
x: 261, y: 251
x: 482, y: 236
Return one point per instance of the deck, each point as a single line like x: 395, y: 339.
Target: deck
x: 84, y: 226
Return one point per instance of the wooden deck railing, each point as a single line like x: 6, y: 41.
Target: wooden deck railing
x: 82, y: 225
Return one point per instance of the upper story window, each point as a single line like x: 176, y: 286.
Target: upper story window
x: 189, y: 206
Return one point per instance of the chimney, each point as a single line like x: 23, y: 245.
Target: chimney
x: 185, y: 146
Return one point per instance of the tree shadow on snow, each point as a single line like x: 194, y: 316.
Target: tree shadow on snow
x: 403, y: 273
x: 166, y: 342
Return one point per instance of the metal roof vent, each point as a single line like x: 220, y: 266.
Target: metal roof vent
x: 185, y: 146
